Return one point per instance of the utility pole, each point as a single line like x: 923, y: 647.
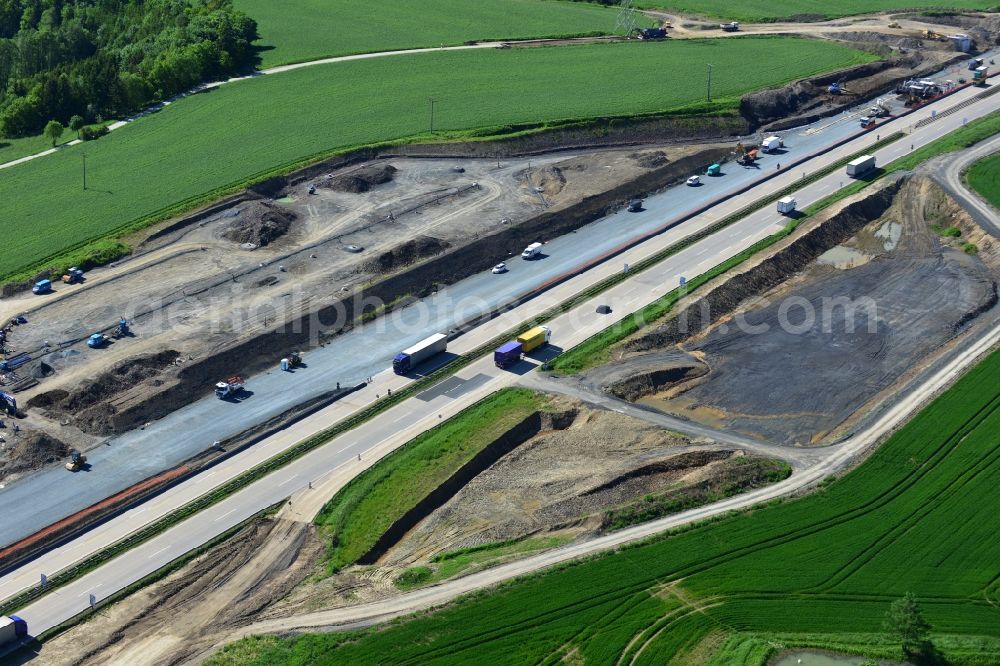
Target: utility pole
x: 84, y: 170
x: 432, y: 100
x: 709, y: 82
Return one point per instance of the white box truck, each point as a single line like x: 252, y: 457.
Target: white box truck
x: 860, y: 166
x: 532, y: 251
x: 786, y: 205
x: 771, y: 144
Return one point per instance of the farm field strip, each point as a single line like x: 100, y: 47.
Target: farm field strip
x: 207, y: 144
x: 300, y: 30
x: 774, y: 10
x: 940, y: 447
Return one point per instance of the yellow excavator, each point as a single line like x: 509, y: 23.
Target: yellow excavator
x: 745, y: 155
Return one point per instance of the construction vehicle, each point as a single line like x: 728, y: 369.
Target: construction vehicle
x: 635, y: 206
x: 73, y: 276
x: 980, y: 75
x: 714, y: 170
x: 732, y: 26
x: 76, y: 461
x: 408, y: 359
x: 122, y: 329
x: 879, y: 109
x: 893, y: 24
x: 931, y: 34
x: 97, y: 340
x: 975, y: 64
x: 42, y: 287
x: 8, y: 403
x: 867, y: 122
x: 229, y: 388
x: 651, y: 33
x: 837, y: 88
x: 12, y: 628
x: 293, y: 361
x: 745, y: 155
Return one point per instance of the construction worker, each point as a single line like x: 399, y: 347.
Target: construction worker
x: 778, y: 167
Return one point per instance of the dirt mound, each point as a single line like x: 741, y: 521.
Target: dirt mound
x: 983, y: 28
x: 809, y: 99
x: 29, y: 450
x: 361, y: 180
x: 404, y: 255
x: 549, y: 180
x: 259, y: 223
x: 650, y: 160
x: 560, y: 475
x: 90, y: 406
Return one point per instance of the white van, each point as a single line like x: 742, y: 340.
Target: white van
x: 532, y: 251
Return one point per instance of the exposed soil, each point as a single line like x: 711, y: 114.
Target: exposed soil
x: 91, y: 406
x: 807, y: 100
x: 259, y: 223
x: 27, y: 449
x: 886, y: 293
x: 359, y: 180
x: 177, y: 618
x: 404, y: 255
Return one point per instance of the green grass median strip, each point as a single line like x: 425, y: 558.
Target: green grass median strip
x: 984, y: 177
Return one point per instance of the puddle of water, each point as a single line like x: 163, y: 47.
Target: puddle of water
x: 843, y: 257
x: 286, y: 200
x: 890, y: 233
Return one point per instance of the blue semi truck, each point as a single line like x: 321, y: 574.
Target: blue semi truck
x: 12, y: 629
x: 409, y: 358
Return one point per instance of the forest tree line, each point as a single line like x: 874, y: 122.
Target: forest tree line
x: 98, y: 59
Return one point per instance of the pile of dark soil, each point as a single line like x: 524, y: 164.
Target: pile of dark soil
x: 30, y: 450
x: 651, y: 160
x: 361, y: 180
x: 259, y: 223
x: 405, y: 254
x: 89, y: 405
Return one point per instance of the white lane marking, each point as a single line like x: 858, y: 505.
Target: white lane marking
x: 224, y: 515
x: 165, y: 548
x: 288, y: 480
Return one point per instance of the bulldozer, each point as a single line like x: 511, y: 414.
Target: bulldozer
x: 76, y: 461
x: 295, y: 359
x: 930, y: 34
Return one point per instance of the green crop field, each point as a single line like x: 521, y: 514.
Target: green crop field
x: 776, y: 10
x: 365, y: 508
x: 299, y: 30
x: 919, y: 515
x: 984, y: 177
x: 216, y: 141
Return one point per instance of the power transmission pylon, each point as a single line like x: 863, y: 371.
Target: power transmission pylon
x: 627, y: 18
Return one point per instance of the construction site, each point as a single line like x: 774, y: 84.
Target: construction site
x: 121, y: 380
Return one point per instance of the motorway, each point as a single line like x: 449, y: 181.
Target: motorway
x: 351, y: 358
x: 305, y: 479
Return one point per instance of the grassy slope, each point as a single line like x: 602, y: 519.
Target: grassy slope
x: 918, y: 515
x: 984, y: 177
x: 360, y: 513
x: 775, y: 10
x: 218, y: 139
x: 299, y: 30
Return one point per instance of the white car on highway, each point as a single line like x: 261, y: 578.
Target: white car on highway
x: 500, y: 268
x: 694, y: 180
